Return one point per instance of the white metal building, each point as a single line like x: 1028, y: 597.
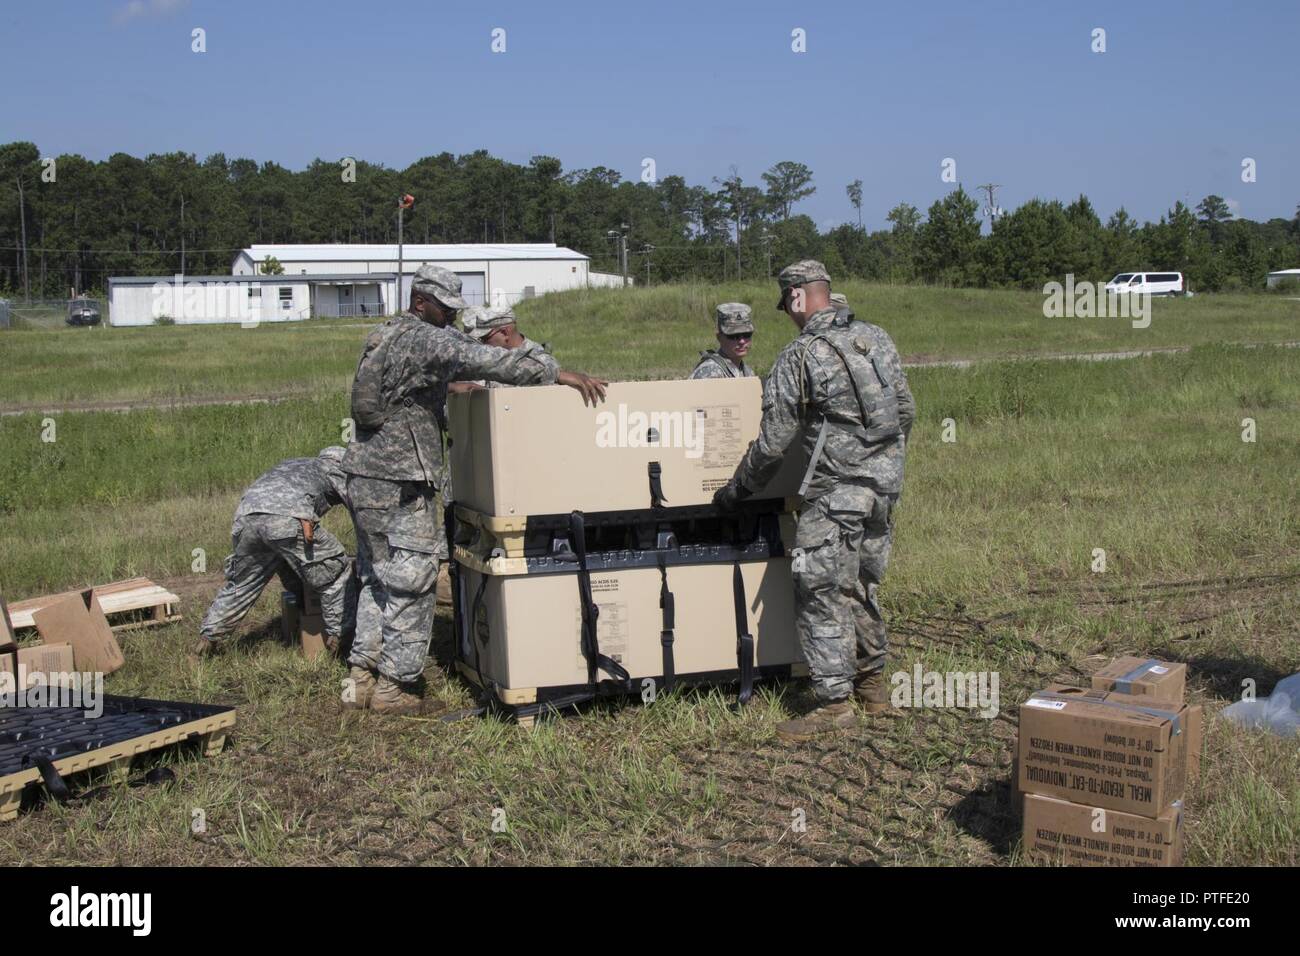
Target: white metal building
x: 247, y: 299
x: 347, y: 280
x: 1276, y: 278
x: 502, y: 273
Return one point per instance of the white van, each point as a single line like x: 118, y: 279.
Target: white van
x: 1149, y: 283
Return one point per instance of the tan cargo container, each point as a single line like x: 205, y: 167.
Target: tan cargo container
x: 526, y: 628
x: 541, y: 451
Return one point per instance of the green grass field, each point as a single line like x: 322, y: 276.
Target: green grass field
x: 1143, y: 458
x: 650, y: 333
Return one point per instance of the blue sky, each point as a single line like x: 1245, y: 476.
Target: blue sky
x: 1011, y: 90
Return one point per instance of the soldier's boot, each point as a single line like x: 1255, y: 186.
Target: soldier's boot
x: 825, y: 719
x: 363, y: 687
x: 202, y: 649
x: 871, y: 692
x: 390, y: 697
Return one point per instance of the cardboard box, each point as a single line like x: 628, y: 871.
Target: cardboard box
x: 46, y: 659
x: 541, y: 451
x: 79, y: 620
x: 1074, y: 834
x: 1143, y: 677
x: 1103, y: 749
x: 9, y: 664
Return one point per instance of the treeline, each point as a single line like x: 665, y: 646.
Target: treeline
x: 69, y: 223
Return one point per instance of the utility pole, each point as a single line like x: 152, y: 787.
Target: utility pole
x: 182, y: 233
x: 647, y: 251
x: 403, y: 204
x: 991, y: 210
x: 622, y: 244
x: 22, y: 218
x: 767, y: 245
x: 620, y: 248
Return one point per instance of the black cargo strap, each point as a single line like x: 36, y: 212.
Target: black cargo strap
x: 657, y: 499
x: 744, y: 640
x: 487, y: 689
x: 596, y: 661
x: 453, y: 579
x: 52, y: 780
x: 668, y: 605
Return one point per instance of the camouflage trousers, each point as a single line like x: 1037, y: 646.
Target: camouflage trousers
x: 400, y: 538
x: 265, y: 546
x: 842, y: 543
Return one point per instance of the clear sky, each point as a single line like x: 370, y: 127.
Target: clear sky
x: 885, y: 91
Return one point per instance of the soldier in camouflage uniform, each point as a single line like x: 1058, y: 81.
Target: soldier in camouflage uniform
x: 394, y: 465
x: 277, y: 531
x: 493, y: 325
x: 735, y: 334
x: 840, y: 388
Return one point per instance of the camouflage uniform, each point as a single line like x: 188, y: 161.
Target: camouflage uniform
x: 732, y: 318
x: 713, y: 364
x: 843, y: 534
x: 267, y: 538
x: 395, y: 464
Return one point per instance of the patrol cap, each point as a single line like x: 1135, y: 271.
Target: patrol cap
x: 839, y: 298
x: 801, y: 273
x: 469, y: 317
x: 735, y: 318
x: 442, y: 284
x: 481, y: 321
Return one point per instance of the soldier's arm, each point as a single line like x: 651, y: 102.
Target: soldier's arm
x: 451, y: 356
x: 706, y: 370
x: 898, y: 381
x: 780, y: 426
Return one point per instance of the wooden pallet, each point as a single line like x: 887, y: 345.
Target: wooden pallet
x: 136, y: 602
x: 210, y: 725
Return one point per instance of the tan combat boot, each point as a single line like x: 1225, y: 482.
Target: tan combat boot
x: 363, y: 687
x: 826, y: 718
x: 202, y: 649
x: 391, y: 697
x: 871, y: 692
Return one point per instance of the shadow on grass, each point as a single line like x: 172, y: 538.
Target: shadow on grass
x: 1224, y: 675
x: 992, y: 814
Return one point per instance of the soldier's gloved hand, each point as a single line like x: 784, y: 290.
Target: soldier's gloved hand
x: 730, y: 495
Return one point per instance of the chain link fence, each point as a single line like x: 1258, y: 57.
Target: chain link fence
x: 52, y: 313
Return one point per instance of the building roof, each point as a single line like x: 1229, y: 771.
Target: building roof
x: 360, y: 278
x: 412, y: 251
x: 1286, y: 272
